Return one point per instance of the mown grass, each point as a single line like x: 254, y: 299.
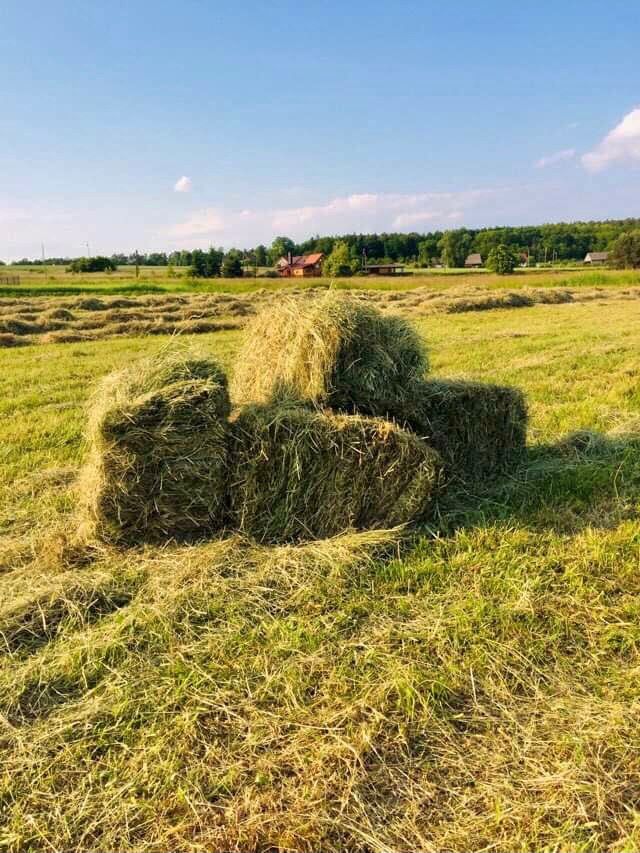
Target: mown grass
x: 473, y: 689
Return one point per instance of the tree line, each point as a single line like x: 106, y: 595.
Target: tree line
x: 537, y: 244
x: 540, y: 244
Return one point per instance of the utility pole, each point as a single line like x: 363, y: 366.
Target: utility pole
x: 137, y: 265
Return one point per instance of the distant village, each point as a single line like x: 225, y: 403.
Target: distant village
x: 308, y: 266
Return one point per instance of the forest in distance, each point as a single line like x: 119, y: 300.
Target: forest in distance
x: 539, y: 244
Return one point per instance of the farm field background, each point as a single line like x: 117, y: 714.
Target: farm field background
x: 473, y: 687
x: 54, y: 311
x: 56, y: 280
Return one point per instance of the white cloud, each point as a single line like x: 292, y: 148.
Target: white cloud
x: 199, y: 224
x: 386, y: 208
x: 558, y: 157
x: 182, y: 185
x: 620, y: 145
x: 361, y: 212
x: 422, y: 217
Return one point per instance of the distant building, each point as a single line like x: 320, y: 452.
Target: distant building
x: 473, y: 261
x: 596, y: 258
x: 384, y: 269
x: 301, y: 265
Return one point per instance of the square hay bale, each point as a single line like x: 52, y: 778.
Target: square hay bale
x: 333, y: 350
x: 158, y: 453
x: 478, y: 429
x: 298, y: 473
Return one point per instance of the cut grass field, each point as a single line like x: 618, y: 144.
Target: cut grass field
x: 50, y: 317
x: 472, y: 688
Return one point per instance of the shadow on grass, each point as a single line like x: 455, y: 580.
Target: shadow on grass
x: 587, y: 479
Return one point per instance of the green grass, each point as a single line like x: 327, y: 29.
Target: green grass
x: 55, y: 281
x: 474, y: 689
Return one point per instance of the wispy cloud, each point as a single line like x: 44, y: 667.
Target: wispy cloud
x: 354, y: 212
x: 183, y: 185
x: 200, y: 224
x: 620, y: 145
x: 558, y: 157
x: 424, y: 217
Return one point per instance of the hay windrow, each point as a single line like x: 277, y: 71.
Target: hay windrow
x: 7, y: 339
x: 214, y: 312
x: 301, y: 474
x: 334, y: 350
x: 158, y: 452
x: 59, y: 313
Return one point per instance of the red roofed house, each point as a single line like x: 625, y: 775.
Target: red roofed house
x: 301, y: 265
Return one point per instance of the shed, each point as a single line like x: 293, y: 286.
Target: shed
x: 596, y: 258
x: 384, y: 269
x: 474, y: 260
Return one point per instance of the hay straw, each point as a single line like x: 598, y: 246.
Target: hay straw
x: 334, y: 350
x: 158, y: 451
x: 7, y: 339
x: 479, y: 429
x: 300, y: 474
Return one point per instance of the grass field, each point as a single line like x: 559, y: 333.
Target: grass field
x: 472, y: 688
x: 55, y: 280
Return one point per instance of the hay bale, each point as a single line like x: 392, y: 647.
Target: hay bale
x: 478, y: 429
x: 298, y: 473
x: 333, y: 350
x: 157, y: 466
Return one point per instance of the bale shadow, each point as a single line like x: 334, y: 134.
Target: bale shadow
x: 587, y: 479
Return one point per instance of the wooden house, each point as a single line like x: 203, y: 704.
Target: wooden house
x: 300, y: 265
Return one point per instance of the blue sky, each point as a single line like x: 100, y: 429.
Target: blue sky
x: 300, y: 118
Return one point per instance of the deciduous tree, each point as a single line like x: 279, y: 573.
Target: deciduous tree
x: 502, y: 260
x: 626, y: 250
x: 338, y: 263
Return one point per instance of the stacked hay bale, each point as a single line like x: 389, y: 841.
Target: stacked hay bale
x: 480, y: 430
x: 334, y: 351
x: 300, y: 473
x: 158, y: 453
x: 307, y: 460
x: 339, y: 352
x: 339, y: 428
